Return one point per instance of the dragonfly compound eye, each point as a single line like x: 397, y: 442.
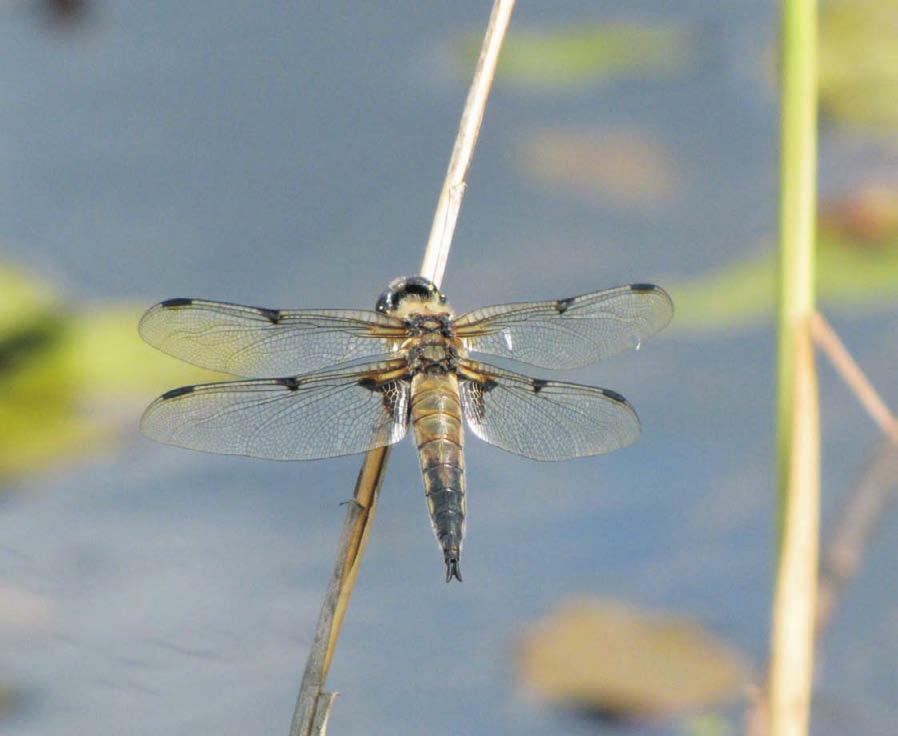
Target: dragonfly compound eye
x: 416, y: 287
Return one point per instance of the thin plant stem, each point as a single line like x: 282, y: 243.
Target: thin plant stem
x: 437, y: 252
x: 861, y: 513
x: 863, y: 509
x: 798, y: 430
x: 797, y: 200
x: 855, y: 378
x: 313, y: 705
x: 868, y: 499
x: 792, y: 635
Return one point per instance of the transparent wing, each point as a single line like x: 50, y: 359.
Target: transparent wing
x: 568, y: 333
x: 544, y: 420
x: 266, y: 343
x: 313, y: 416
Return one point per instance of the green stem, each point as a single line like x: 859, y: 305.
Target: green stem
x: 798, y: 430
x: 798, y: 189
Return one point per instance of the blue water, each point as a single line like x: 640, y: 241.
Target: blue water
x: 290, y: 155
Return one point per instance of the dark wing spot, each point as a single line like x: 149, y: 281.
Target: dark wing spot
x: 643, y: 288
x: 614, y: 395
x: 539, y: 384
x: 176, y: 392
x: 562, y: 305
x: 272, y: 315
x: 488, y: 385
x: 392, y: 394
x: 475, y: 391
x: 176, y: 302
x: 290, y: 383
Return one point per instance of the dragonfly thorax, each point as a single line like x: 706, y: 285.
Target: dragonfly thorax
x: 429, y: 323
x: 432, y: 346
x: 433, y: 356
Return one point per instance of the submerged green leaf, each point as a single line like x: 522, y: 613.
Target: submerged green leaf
x: 738, y: 295
x: 70, y: 380
x: 857, y: 268
x: 587, y: 53
x: 707, y: 725
x: 21, y: 299
x: 858, y: 74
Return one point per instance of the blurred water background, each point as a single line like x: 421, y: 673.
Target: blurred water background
x: 289, y: 155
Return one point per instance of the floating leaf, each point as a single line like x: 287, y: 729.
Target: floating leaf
x: 866, y: 218
x: 587, y: 53
x: 618, y: 661
x: 859, y: 62
x: 24, y: 611
x: 625, y: 168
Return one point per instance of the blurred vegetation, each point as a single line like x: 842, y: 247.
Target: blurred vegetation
x: 857, y: 267
x: 10, y: 697
x: 586, y: 53
x: 707, y: 725
x: 66, y: 11
x: 859, y: 63
x: 619, y: 662
x: 71, y: 378
x: 623, y: 167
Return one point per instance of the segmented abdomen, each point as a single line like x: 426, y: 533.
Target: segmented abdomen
x: 436, y: 419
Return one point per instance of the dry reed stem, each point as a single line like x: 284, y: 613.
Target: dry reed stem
x: 850, y: 372
x: 434, y: 264
x: 862, y: 511
x: 867, y: 501
x: 794, y: 603
x: 313, y: 705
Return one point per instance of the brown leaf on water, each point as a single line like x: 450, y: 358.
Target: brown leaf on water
x: 625, y: 168
x: 615, y: 660
x: 865, y: 218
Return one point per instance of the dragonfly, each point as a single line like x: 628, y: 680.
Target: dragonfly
x: 330, y: 382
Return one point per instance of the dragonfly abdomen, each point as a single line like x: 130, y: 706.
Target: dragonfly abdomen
x: 436, y: 419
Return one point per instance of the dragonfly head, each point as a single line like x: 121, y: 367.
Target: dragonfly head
x: 411, y: 293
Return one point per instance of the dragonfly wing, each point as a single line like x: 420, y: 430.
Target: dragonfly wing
x: 544, y: 420
x: 568, y: 333
x: 266, y: 343
x: 318, y: 415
